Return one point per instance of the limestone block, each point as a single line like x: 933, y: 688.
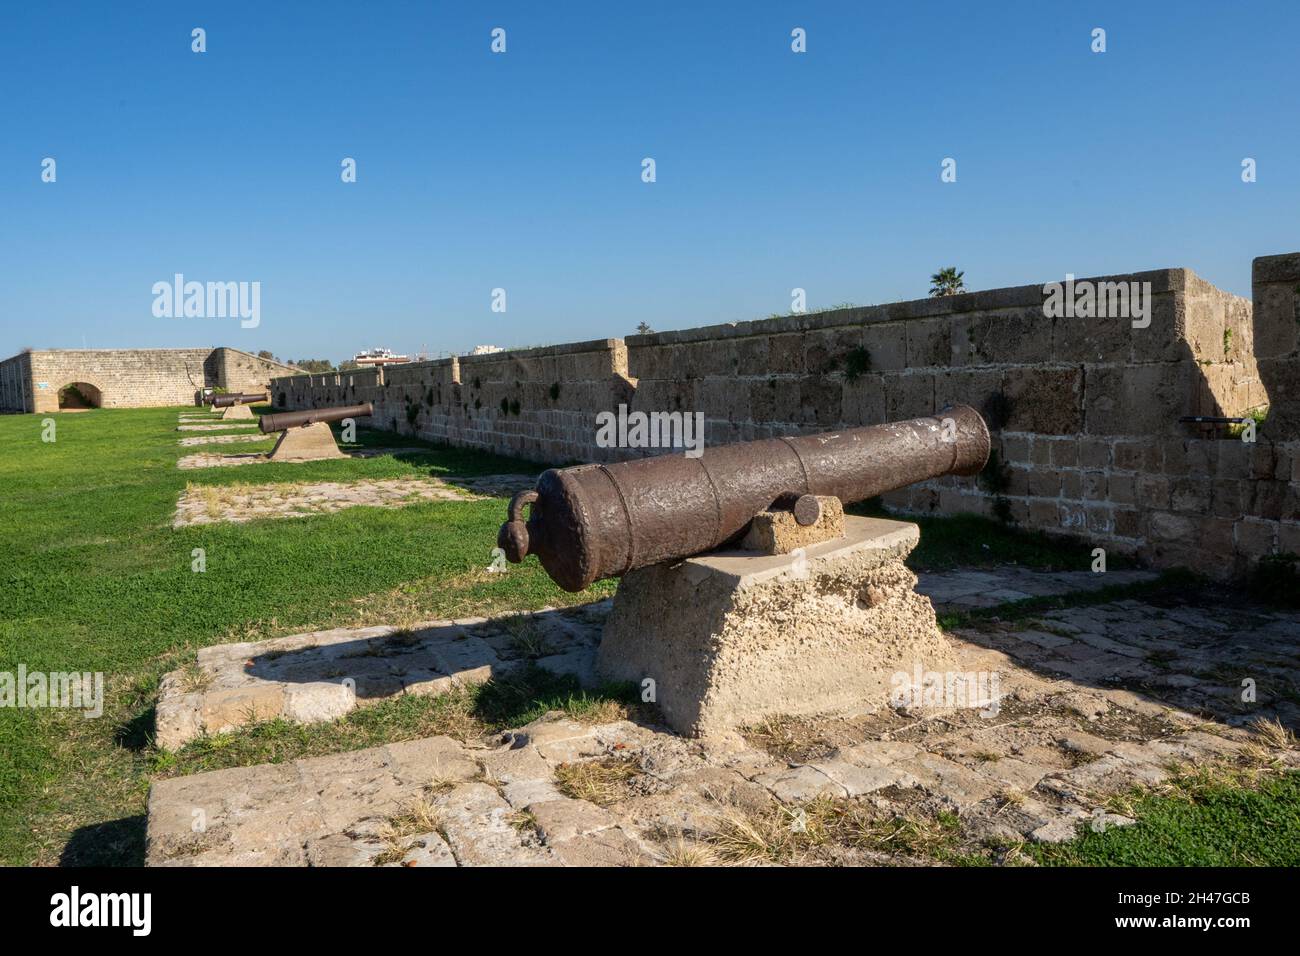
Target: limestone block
x: 886, y: 343
x: 1044, y: 400
x: 176, y: 721
x: 732, y: 637
x: 224, y: 710
x: 318, y: 701
x: 777, y: 532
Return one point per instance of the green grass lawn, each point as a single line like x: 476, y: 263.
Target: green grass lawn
x: 1227, y: 825
x: 93, y: 578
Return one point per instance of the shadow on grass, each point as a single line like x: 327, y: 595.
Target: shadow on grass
x: 113, y: 843
x: 137, y: 733
x: 533, y: 691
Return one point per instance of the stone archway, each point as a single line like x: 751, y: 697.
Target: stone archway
x: 79, y: 396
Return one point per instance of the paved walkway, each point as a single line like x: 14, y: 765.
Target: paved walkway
x: 208, y: 504
x: 216, y: 426
x: 1088, y: 702
x: 208, y: 460
x: 222, y: 439
x: 977, y: 588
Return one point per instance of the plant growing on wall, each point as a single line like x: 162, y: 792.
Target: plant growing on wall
x: 995, y: 478
x: 947, y: 281
x: 856, y: 364
x: 1002, y: 510
x: 997, y: 411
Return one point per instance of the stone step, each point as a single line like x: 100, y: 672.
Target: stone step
x: 321, y: 675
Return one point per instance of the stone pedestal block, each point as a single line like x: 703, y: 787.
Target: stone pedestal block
x: 777, y: 532
x: 237, y: 411
x: 310, y: 443
x: 732, y: 637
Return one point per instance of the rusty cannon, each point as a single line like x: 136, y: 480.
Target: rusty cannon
x: 596, y: 521
x: 231, y: 399
x: 235, y: 404
x: 307, y: 435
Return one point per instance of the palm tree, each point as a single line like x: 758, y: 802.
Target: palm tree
x: 947, y: 281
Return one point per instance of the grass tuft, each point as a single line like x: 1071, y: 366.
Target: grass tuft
x: 601, y: 782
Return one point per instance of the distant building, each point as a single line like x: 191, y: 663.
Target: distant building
x: 373, y: 357
x: 485, y: 349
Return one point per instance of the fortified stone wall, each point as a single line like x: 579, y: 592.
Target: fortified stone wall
x: 539, y: 404
x: 239, y: 371
x: 1085, y: 411
x: 129, y: 378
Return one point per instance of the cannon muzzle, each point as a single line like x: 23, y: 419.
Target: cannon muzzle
x: 599, y: 521
x: 238, y: 398
x: 280, y: 421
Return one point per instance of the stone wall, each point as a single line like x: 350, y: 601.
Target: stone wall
x: 239, y: 371
x: 539, y: 404
x: 1275, y: 287
x: 1085, y: 411
x: 130, y: 378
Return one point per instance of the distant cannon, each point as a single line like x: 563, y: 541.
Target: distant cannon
x: 238, y: 398
x: 306, y: 435
x: 600, y: 521
x: 236, y: 404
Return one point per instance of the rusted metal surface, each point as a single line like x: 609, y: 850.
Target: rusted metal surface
x: 238, y: 398
x: 598, y: 521
x: 282, y: 420
x: 807, y: 510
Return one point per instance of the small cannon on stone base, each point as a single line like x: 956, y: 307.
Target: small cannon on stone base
x: 236, y: 403
x: 807, y: 613
x: 307, y: 435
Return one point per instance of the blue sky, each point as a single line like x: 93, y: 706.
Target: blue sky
x: 522, y: 171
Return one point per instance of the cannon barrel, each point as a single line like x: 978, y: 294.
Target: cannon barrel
x: 279, y: 421
x: 598, y: 521
x: 238, y: 398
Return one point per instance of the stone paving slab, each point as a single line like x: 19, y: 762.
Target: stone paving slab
x: 205, y: 460
x: 968, y: 589
x: 221, y: 439
x: 216, y: 426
